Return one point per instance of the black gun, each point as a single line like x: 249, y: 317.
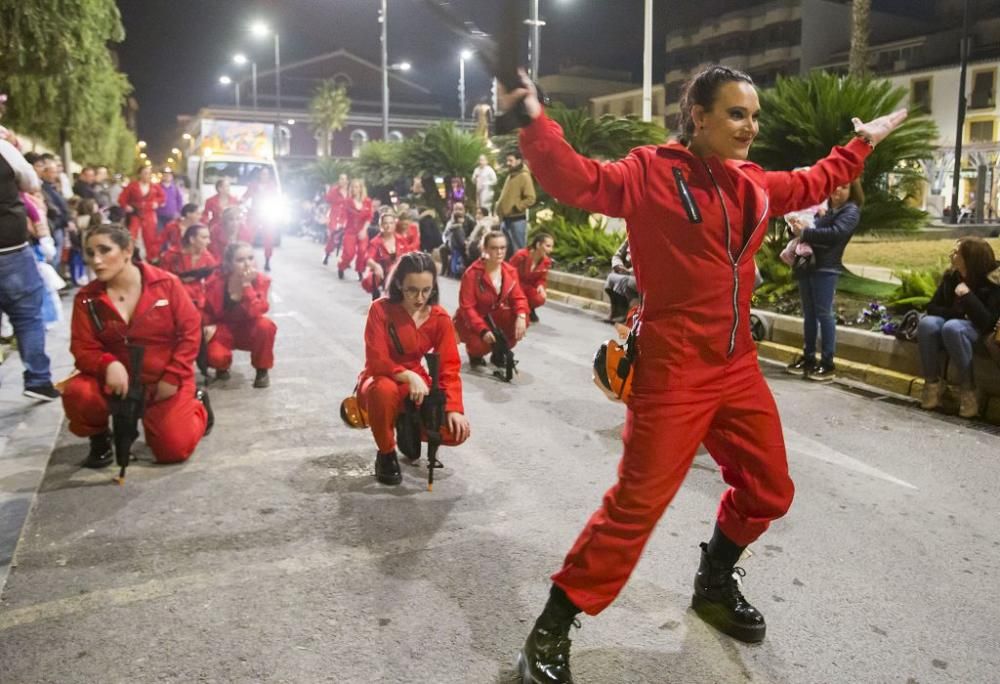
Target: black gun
x: 126, y: 412
x: 499, y: 55
x: 196, y: 273
x: 503, y: 355
x: 432, y: 416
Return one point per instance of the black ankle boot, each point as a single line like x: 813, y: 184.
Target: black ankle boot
x: 262, y: 379
x: 387, y: 468
x: 202, y: 396
x: 100, y: 455
x: 544, y: 659
x: 717, y: 599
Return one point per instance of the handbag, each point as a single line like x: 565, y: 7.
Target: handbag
x: 352, y: 414
x: 804, y: 263
x: 614, y: 364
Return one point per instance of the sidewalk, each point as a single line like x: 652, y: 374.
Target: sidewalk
x: 28, y: 430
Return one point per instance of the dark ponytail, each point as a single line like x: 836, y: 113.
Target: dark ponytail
x: 701, y: 90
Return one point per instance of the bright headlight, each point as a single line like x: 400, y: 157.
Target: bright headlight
x: 273, y: 209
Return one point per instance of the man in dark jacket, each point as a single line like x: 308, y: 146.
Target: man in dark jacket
x: 85, y: 187
x: 57, y: 211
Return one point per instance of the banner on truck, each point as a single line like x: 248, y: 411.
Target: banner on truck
x: 249, y: 139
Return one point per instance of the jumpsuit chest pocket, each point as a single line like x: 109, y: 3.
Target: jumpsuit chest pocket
x: 685, y: 196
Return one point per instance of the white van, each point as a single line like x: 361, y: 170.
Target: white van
x: 240, y: 170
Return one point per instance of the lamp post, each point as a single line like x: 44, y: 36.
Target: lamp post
x: 535, y: 41
x: 384, y: 20
x: 956, y: 176
x: 647, y: 63
x: 225, y: 80
x: 261, y: 30
x: 241, y: 60
x: 462, y: 56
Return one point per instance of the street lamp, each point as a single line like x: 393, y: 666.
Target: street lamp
x: 141, y: 144
x: 241, y: 60
x: 261, y: 30
x: 535, y: 42
x: 462, y: 56
x: 225, y: 80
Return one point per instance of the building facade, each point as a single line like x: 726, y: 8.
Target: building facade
x: 629, y: 103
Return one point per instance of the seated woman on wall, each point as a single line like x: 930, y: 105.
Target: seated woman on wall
x: 490, y: 288
x: 193, y: 263
x: 533, y: 264
x: 965, y: 307
x: 134, y: 304
x: 383, y: 252
x: 401, y: 328
x: 621, y: 286
x: 235, y: 304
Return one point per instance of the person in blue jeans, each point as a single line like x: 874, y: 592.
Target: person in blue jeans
x: 21, y: 287
x: 965, y: 307
x: 818, y: 283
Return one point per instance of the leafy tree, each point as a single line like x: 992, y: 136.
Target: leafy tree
x: 860, y: 32
x: 328, y: 110
x: 380, y: 164
x: 803, y: 118
x: 61, y: 77
x: 442, y: 150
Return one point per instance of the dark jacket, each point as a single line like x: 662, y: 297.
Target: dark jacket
x: 981, y: 305
x: 57, y: 209
x: 830, y: 236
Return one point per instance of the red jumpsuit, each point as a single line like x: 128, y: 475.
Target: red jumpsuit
x: 355, y: 248
x: 170, y: 238
x: 256, y: 220
x: 166, y: 323
x: 338, y: 216
x: 410, y: 235
x: 531, y: 278
x: 693, y: 225
x: 379, y: 393
x: 380, y: 254
x: 180, y: 262
x: 477, y: 299
x: 239, y: 325
x: 212, y: 215
x: 143, y: 216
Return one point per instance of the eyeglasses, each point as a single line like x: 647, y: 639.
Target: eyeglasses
x: 414, y: 292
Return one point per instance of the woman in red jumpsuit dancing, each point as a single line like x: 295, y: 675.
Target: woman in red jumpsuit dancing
x: 140, y: 199
x: 134, y: 303
x: 357, y: 214
x: 696, y: 213
x: 403, y: 326
x: 383, y: 252
x: 336, y: 198
x: 192, y: 262
x: 235, y: 304
x: 533, y: 266
x: 490, y: 288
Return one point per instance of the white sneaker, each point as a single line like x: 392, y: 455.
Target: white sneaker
x: 930, y: 399
x: 968, y: 403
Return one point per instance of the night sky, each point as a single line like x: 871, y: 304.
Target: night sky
x: 175, y: 50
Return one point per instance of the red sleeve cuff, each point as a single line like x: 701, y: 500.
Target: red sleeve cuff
x: 859, y: 147
x: 106, y: 360
x: 172, y: 378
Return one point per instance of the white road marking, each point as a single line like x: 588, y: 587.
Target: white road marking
x: 800, y: 444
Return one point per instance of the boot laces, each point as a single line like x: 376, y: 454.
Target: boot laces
x: 733, y: 585
x: 560, y: 645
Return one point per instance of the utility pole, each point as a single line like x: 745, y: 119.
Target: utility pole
x: 956, y: 176
x: 647, y: 63
x: 385, y: 71
x: 535, y: 42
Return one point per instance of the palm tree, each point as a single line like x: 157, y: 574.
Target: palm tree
x: 860, y: 31
x: 803, y: 118
x: 443, y: 150
x: 328, y: 110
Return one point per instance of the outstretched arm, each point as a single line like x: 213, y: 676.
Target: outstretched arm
x: 613, y: 189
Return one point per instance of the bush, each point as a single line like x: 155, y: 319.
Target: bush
x: 916, y: 289
x: 580, y: 248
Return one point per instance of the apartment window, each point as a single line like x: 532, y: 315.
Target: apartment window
x: 358, y: 139
x: 983, y: 89
x: 981, y: 131
x: 605, y: 108
x: 920, y: 94
x: 629, y: 108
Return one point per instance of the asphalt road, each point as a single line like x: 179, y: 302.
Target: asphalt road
x: 274, y: 556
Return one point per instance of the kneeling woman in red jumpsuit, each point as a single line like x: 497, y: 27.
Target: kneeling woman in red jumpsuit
x: 134, y: 304
x: 192, y: 262
x: 533, y: 266
x: 383, y: 252
x: 403, y: 326
x: 235, y: 304
x: 490, y: 288
x: 696, y: 212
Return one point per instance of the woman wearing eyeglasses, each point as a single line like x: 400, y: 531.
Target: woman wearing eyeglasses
x: 403, y: 326
x: 490, y: 289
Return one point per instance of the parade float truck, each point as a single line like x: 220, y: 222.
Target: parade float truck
x: 236, y: 150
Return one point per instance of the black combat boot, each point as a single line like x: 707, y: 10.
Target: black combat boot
x: 202, y: 396
x: 544, y: 659
x: 717, y: 598
x: 101, y: 454
x: 262, y: 379
x: 387, y: 468
x: 326, y: 259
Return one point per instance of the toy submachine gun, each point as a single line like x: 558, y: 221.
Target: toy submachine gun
x: 127, y: 411
x: 432, y: 416
x: 502, y: 355
x: 499, y: 55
